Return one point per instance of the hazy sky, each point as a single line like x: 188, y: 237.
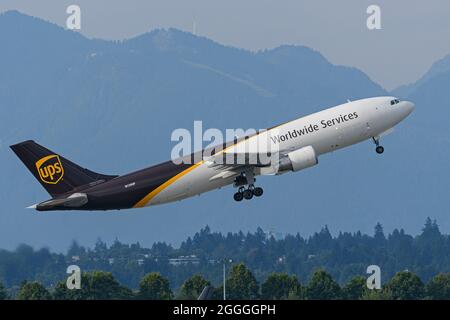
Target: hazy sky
x: 414, y: 33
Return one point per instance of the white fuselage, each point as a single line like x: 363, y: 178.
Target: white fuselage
x: 325, y: 131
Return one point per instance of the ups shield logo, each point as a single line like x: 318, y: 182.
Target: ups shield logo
x: 50, y: 169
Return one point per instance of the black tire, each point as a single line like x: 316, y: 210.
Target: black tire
x: 248, y: 194
x: 258, y: 192
x: 238, y: 196
x: 379, y: 149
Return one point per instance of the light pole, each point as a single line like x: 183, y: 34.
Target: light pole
x: 224, y: 278
x: 224, y: 282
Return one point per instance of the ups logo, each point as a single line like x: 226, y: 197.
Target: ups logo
x: 50, y: 169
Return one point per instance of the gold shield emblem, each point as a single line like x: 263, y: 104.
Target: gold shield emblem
x: 50, y: 169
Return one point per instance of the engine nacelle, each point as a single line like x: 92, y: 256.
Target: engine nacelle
x: 298, y: 160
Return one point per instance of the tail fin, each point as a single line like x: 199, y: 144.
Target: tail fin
x: 54, y: 172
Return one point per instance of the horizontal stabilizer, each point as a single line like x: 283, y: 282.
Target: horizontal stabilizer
x: 73, y: 201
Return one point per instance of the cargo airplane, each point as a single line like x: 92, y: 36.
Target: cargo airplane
x: 298, y: 145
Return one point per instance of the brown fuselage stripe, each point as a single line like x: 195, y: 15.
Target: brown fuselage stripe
x: 156, y: 191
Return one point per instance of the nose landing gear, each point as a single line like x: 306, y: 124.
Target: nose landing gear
x: 379, y: 149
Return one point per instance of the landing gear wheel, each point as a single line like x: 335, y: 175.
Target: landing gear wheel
x: 248, y: 194
x: 238, y: 196
x: 379, y: 149
x: 257, y: 192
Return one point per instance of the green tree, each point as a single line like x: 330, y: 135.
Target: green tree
x: 355, y: 288
x: 377, y: 294
x: 439, y: 287
x: 3, y: 293
x: 217, y: 293
x: 241, y: 284
x: 193, y: 287
x: 33, y: 291
x: 297, y: 294
x: 323, y: 287
x: 280, y: 286
x: 155, y: 287
x: 406, y: 285
x: 96, y: 285
x: 379, y: 234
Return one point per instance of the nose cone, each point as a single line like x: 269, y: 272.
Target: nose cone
x: 409, y: 107
x: 405, y: 109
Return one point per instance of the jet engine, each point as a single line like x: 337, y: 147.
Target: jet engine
x: 298, y: 160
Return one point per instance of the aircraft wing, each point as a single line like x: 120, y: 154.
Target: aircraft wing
x: 223, y: 170
x: 231, y: 163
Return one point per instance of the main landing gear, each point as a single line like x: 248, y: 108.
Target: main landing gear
x: 379, y: 149
x: 248, y: 193
x: 246, y: 178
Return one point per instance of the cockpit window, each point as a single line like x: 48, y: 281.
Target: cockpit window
x: 395, y: 101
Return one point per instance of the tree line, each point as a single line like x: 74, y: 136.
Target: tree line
x: 240, y: 285
x: 344, y: 257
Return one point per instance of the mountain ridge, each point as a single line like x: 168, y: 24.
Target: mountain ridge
x: 441, y: 66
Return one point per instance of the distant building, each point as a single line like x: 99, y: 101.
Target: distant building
x: 183, y: 260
